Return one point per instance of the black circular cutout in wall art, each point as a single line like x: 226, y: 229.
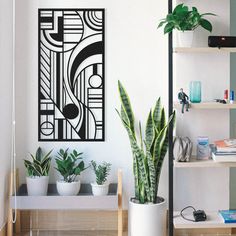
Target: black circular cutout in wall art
x: 70, y: 111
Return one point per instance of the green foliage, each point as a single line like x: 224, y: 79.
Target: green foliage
x: 40, y: 164
x: 68, y: 164
x: 149, y: 154
x: 101, y: 171
x: 183, y: 19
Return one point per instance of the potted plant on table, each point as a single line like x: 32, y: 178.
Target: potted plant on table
x: 100, y: 187
x: 146, y: 209
x: 37, y: 171
x: 70, y: 166
x: 185, y: 21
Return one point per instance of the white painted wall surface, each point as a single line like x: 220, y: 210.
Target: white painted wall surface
x: 5, y: 102
x: 136, y: 54
x: 208, y: 188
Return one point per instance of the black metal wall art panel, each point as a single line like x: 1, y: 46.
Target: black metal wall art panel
x: 71, y: 75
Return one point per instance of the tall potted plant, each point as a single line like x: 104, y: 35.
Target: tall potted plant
x: 146, y: 209
x: 37, y: 171
x: 185, y: 21
x: 69, y: 165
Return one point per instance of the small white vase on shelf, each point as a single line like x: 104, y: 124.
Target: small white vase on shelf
x: 100, y: 190
x: 185, y: 38
x: 37, y: 185
x: 68, y: 189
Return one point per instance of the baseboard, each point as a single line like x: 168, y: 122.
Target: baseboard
x: 3, y: 230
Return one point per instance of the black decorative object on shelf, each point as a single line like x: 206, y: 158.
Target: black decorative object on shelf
x: 71, y: 75
x: 222, y: 41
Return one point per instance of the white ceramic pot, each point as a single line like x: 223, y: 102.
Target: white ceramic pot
x: 99, y: 190
x: 147, y: 219
x: 185, y: 38
x: 37, y: 185
x: 68, y: 189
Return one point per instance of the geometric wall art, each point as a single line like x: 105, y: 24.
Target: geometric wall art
x: 71, y: 78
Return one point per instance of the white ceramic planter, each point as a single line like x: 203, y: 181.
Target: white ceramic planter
x: 185, y: 38
x: 37, y: 186
x: 68, y: 189
x: 147, y: 219
x: 99, y: 190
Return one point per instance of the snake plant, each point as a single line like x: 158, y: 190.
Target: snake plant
x: 40, y: 164
x: 149, y: 151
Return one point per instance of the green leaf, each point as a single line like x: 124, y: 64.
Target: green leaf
x: 156, y: 116
x: 38, y: 154
x: 149, y: 131
x: 206, y: 24
x: 125, y: 101
x: 168, y: 28
x: 161, y: 24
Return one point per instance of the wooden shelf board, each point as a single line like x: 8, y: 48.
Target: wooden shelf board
x: 213, y: 221
x: 207, y: 105
x: 194, y: 163
x: 203, y: 50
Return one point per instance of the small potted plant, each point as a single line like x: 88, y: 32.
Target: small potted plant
x: 69, y: 165
x: 100, y: 187
x: 185, y: 21
x: 37, y: 171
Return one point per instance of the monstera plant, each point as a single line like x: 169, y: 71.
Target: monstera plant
x: 148, y: 157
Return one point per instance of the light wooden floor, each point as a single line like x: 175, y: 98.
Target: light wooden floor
x: 73, y: 233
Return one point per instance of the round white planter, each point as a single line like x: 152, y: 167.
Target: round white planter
x: 68, y: 189
x: 37, y: 186
x: 147, y: 219
x: 99, y: 190
x: 185, y: 38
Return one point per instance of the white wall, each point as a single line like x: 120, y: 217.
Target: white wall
x: 204, y: 188
x: 5, y: 101
x: 136, y: 54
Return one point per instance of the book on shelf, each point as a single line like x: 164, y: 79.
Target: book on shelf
x: 222, y: 156
x: 226, y: 145
x: 228, y: 216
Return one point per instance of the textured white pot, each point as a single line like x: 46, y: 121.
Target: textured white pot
x: 185, y: 38
x: 37, y: 186
x: 99, y: 190
x: 147, y: 219
x: 68, y: 189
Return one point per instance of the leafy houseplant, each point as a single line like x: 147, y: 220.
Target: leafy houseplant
x: 38, y: 170
x: 183, y: 19
x: 69, y: 166
x: 101, y: 171
x: 148, y: 158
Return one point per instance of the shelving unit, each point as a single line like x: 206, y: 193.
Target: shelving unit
x: 207, y: 105
x: 174, y: 218
x: 213, y: 221
x: 85, y: 200
x: 194, y: 163
x: 203, y: 50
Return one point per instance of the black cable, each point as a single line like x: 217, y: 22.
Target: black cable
x: 181, y: 213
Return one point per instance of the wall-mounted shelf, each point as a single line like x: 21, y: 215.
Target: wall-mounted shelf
x: 203, y: 50
x: 194, y: 163
x: 207, y: 105
x: 213, y: 221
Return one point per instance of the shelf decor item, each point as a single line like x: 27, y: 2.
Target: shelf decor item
x: 100, y: 187
x: 37, y: 171
x: 195, y: 92
x: 147, y: 211
x: 185, y: 21
x: 69, y: 166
